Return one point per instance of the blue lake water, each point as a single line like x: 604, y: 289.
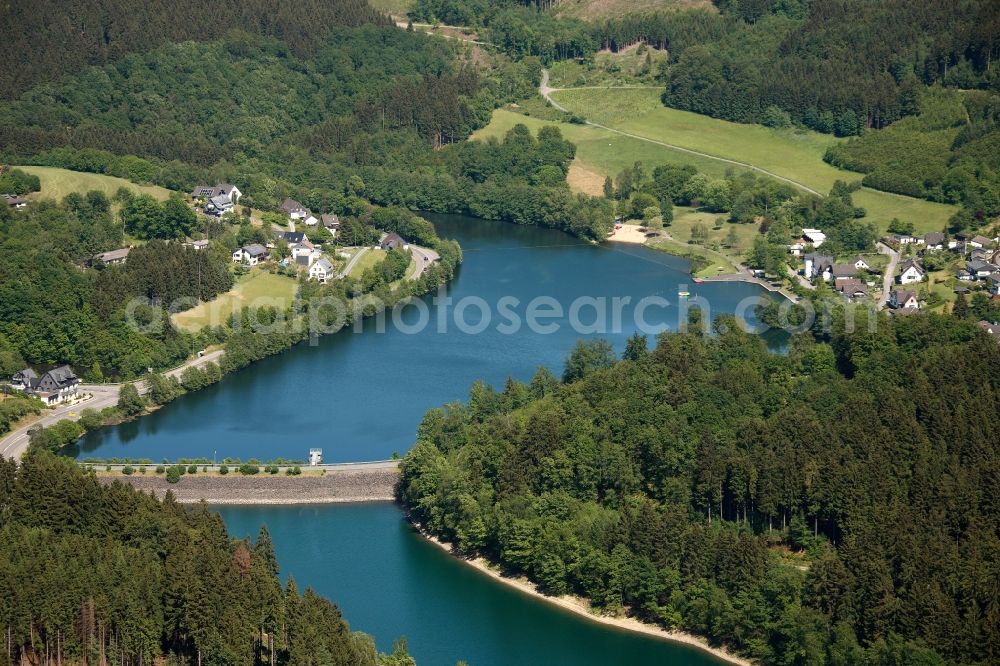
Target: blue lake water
x: 361, y: 395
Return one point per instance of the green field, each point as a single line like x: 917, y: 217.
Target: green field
x: 371, y: 258
x: 790, y: 153
x: 57, y: 183
x: 256, y: 288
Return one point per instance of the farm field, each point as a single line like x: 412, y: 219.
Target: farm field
x: 257, y: 284
x: 57, y: 183
x: 789, y: 153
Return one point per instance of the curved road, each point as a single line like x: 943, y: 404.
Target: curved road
x: 424, y: 258
x: 350, y: 264
x: 15, y: 443
x: 546, y: 91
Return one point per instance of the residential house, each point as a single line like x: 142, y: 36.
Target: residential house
x: 979, y: 269
x: 816, y: 265
x: 978, y: 241
x: 993, y: 284
x: 218, y: 205
x: 903, y: 299
x: 321, y: 271
x: 197, y: 245
x: 910, y: 272
x: 53, y: 387
x: 982, y: 254
x: 392, y: 241
x: 295, y: 237
x: 310, y: 220
x: 992, y: 329
x: 24, y: 380
x: 294, y: 209
x: 860, y: 264
x: 304, y: 254
x: 331, y: 222
x: 901, y: 239
x: 814, y: 237
x: 251, y: 255
x: 226, y: 190
x: 851, y: 288
x: 934, y: 240
x: 797, y: 248
x: 15, y: 201
x: 113, y: 257
x: 840, y: 271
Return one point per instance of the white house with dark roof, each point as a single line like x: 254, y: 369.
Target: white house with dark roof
x: 321, y: 271
x: 934, y: 240
x: 53, y: 387
x: 219, y: 205
x: 294, y: 210
x: 226, y: 190
x: 910, y: 272
x: 251, y: 255
x: 903, y: 299
x: 331, y: 222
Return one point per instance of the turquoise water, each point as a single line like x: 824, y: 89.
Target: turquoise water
x: 360, y: 396
x: 390, y: 583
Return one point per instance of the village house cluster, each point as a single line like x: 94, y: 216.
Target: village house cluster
x: 857, y: 278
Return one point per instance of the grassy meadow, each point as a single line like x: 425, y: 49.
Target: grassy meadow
x: 370, y: 258
x: 57, y: 183
x: 257, y: 284
x: 791, y: 153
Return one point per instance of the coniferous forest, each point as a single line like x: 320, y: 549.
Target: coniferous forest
x: 104, y: 574
x: 836, y: 504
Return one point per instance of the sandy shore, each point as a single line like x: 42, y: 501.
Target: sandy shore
x: 629, y: 233
x: 373, y: 485
x: 581, y: 607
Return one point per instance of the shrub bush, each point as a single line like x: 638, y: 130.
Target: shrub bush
x: 160, y: 469
x: 174, y: 474
x: 249, y: 470
x: 192, y: 469
x: 223, y: 469
x: 127, y: 470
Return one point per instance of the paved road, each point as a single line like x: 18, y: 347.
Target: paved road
x: 890, y: 272
x: 350, y: 264
x: 15, y: 443
x: 424, y: 258
x: 546, y: 91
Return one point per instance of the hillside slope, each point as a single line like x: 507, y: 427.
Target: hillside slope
x: 45, y: 39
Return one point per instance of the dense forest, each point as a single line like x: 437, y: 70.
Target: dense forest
x: 106, y: 574
x: 374, y: 115
x: 46, y: 39
x: 949, y: 151
x: 53, y: 312
x: 836, y: 504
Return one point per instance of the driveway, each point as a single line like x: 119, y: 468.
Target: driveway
x: 890, y: 272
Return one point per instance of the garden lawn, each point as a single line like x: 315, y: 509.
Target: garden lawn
x: 57, y: 183
x: 256, y: 288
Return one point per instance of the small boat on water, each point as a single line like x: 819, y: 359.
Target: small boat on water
x: 683, y: 294
x: 698, y: 280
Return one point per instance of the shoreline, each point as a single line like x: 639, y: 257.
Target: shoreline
x: 581, y: 607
